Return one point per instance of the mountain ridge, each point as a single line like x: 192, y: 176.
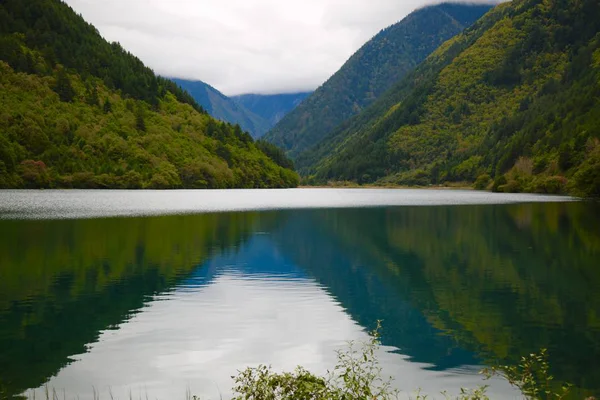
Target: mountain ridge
x: 80, y: 112
x: 272, y: 107
x: 224, y: 108
x: 368, y: 73
x: 511, y: 103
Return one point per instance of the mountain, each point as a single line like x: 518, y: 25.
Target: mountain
x: 381, y: 62
x: 225, y: 108
x: 271, y: 107
x: 77, y: 111
x: 515, y: 98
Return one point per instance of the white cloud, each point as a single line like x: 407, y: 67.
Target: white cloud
x: 243, y: 46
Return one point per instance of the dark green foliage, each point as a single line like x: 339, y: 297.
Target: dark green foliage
x: 586, y: 180
x: 92, y: 96
x: 516, y: 95
x: 482, y: 182
x: 107, y: 107
x: 370, y: 72
x: 63, y: 87
x: 59, y: 35
x: 498, y: 182
x: 275, y: 153
x: 140, y: 124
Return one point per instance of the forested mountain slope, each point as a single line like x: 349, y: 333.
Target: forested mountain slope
x: 515, y: 99
x: 77, y: 111
x: 377, y: 65
x: 272, y: 107
x: 225, y: 108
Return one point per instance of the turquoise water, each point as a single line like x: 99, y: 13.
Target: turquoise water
x: 99, y: 291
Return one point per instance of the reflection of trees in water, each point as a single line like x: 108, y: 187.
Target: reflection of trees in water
x: 62, y: 282
x: 502, y: 281
x: 452, y: 284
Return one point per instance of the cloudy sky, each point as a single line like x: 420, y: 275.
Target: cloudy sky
x: 244, y: 46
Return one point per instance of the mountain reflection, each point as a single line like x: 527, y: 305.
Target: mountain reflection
x: 455, y: 285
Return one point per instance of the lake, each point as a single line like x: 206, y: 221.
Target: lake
x: 157, y: 293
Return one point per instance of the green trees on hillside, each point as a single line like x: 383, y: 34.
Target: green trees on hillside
x: 370, y: 72
x: 36, y: 35
x: 275, y: 153
x: 145, y: 133
x: 46, y: 142
x: 519, y: 88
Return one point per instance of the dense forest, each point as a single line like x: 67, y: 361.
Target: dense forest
x: 511, y: 104
x: 77, y: 111
x: 377, y: 65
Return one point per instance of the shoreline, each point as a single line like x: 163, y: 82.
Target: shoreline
x: 358, y: 186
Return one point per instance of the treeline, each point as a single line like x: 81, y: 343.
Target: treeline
x: 78, y: 112
x: 512, y: 103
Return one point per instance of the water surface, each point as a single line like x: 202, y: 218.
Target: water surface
x: 159, y: 304
x: 49, y: 204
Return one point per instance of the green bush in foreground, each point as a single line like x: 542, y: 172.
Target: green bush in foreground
x: 357, y: 375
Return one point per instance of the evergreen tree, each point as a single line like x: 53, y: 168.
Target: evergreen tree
x: 63, y: 87
x: 92, y: 96
x: 107, y: 106
x: 140, y: 124
x: 211, y: 128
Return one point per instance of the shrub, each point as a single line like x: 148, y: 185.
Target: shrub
x: 511, y: 186
x: 357, y: 375
x: 586, y: 181
x: 84, y: 180
x: 131, y: 180
x: 482, y: 182
x: 34, y: 174
x: 551, y: 185
x: 417, y: 177
x: 532, y: 377
x: 498, y: 182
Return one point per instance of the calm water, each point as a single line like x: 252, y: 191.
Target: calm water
x: 158, y: 304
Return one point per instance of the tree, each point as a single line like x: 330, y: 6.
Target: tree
x: 92, y: 96
x: 140, y: 124
x: 63, y: 87
x: 211, y: 128
x: 34, y: 174
x: 107, y: 106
